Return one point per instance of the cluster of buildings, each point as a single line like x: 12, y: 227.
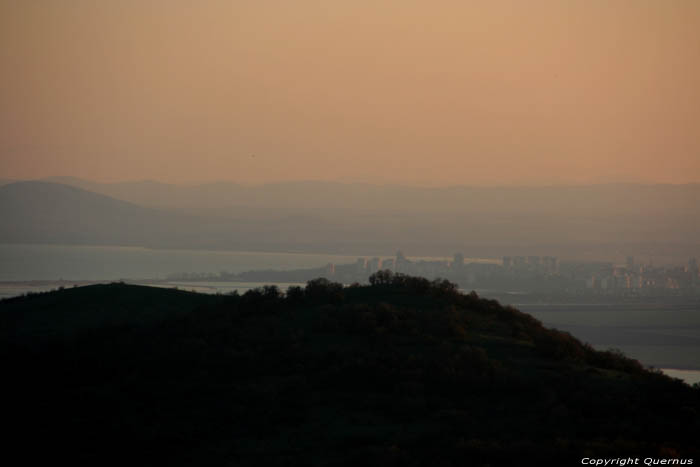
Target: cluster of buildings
x: 429, y: 268
x: 533, y: 275
x: 544, y: 264
x: 640, y: 279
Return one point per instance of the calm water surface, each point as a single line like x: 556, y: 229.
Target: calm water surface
x: 54, y: 262
x: 658, y: 335
x: 76, y: 262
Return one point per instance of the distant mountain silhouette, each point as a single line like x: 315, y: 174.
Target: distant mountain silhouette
x: 601, y: 199
x: 41, y: 212
x: 637, y: 219
x: 592, y: 222
x: 44, y: 212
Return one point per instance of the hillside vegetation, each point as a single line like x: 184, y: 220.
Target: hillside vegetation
x: 400, y: 372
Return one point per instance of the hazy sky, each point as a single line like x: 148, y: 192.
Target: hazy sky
x: 429, y: 92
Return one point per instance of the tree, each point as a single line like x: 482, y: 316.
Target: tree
x: 384, y: 277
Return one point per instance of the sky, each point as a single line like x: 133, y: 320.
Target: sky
x: 433, y: 93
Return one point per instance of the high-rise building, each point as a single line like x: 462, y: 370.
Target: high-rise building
x: 373, y: 265
x: 519, y: 262
x: 507, y: 262
x: 401, y: 262
x: 550, y: 264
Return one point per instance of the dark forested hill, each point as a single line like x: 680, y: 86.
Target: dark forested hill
x: 65, y: 313
x: 402, y: 372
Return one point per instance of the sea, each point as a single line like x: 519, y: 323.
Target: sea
x: 20, y: 262
x: 663, y: 336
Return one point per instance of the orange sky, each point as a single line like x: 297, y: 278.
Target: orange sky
x: 426, y: 92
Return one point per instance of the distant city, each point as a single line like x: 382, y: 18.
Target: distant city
x: 534, y: 276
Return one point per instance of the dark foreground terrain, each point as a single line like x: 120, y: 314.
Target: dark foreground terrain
x: 402, y: 372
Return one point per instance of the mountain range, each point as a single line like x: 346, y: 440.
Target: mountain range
x: 568, y: 221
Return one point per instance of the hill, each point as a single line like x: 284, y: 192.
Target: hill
x: 610, y: 220
x: 401, y: 372
x: 598, y: 222
x: 55, y: 213
x: 65, y: 313
x: 42, y: 212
